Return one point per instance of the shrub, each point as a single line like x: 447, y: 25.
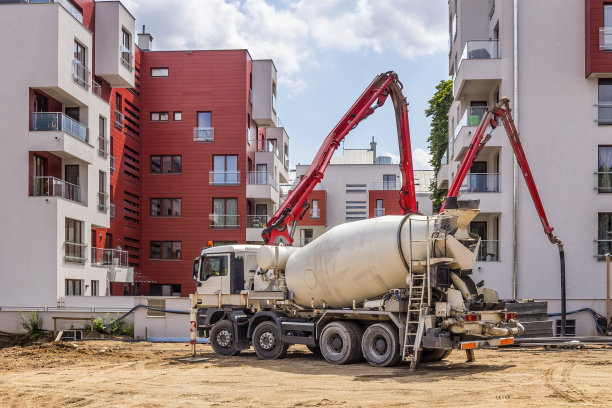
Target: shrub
x: 32, y: 323
x: 98, y: 325
x: 128, y: 330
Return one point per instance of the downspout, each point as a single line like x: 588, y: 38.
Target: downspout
x: 515, y: 168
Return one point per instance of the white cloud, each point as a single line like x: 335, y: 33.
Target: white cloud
x: 420, y: 159
x: 292, y: 35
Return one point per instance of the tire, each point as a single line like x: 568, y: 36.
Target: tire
x: 381, y: 345
x: 267, y: 341
x: 340, y: 342
x: 222, y: 338
x: 431, y: 355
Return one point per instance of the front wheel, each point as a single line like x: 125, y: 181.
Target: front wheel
x: 267, y: 342
x: 223, y: 339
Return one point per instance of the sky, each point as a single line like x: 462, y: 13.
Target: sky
x: 326, y: 53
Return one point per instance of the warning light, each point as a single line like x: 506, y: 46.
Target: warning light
x: 508, y: 315
x: 507, y: 341
x: 472, y: 317
x: 210, y: 243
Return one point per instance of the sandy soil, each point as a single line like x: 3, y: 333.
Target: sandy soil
x: 110, y: 373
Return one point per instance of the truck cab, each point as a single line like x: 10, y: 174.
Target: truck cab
x: 228, y: 269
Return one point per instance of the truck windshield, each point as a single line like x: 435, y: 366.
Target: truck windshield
x: 213, y: 266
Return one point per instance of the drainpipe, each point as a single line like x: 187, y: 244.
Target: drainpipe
x: 514, y: 163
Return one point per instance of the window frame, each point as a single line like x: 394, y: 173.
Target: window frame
x: 160, y: 115
x: 160, y: 206
x: 159, y: 68
x: 179, y: 114
x: 175, y: 247
x: 161, y: 161
x: 73, y: 282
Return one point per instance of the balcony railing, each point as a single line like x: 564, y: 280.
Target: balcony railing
x: 112, y: 164
x: 119, y: 117
x: 80, y: 73
x: 102, y: 201
x: 112, y: 211
x: 222, y: 221
x: 108, y: 257
x: 203, y: 134
x: 127, y: 59
x: 472, y: 117
x: 75, y: 252
x: 379, y: 212
x: 54, y: 187
x: 264, y: 145
x: 96, y: 88
x: 257, y: 221
x: 261, y: 178
x: 481, y: 183
x: 602, y: 247
x: 488, y: 251
x: 605, y: 38
x: 385, y: 185
x: 286, y: 163
x: 603, y: 113
x: 224, y: 178
x: 274, y: 102
x: 58, y: 122
x: 315, y: 213
x: 480, y: 49
x: 603, y: 180
x: 444, y: 159
x: 102, y: 147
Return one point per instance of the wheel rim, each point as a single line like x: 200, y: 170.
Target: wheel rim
x: 379, y: 345
x: 267, y: 340
x: 224, y: 338
x: 336, y: 343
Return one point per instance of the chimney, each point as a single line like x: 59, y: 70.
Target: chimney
x: 373, y: 148
x: 145, y: 40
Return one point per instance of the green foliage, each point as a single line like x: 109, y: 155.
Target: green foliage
x: 110, y: 325
x: 439, y: 106
x: 32, y: 323
x: 128, y: 330
x: 98, y: 324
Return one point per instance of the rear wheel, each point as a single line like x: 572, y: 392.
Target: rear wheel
x: 431, y: 355
x: 340, y: 342
x: 222, y: 338
x: 380, y: 345
x: 267, y: 341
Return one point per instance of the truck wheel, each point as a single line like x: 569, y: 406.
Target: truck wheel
x: 222, y: 338
x: 340, y: 342
x: 431, y: 355
x: 267, y: 341
x: 380, y: 345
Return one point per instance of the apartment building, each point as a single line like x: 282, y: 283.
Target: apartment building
x: 125, y: 161
x: 357, y: 185
x: 553, y: 60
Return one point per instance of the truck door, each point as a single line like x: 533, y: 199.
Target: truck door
x: 214, y: 274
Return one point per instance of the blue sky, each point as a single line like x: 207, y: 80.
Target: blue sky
x: 326, y: 53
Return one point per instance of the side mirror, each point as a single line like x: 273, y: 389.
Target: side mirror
x: 199, y: 284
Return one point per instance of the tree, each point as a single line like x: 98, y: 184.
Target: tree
x: 439, y: 105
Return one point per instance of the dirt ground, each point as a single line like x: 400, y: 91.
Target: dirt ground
x: 112, y: 373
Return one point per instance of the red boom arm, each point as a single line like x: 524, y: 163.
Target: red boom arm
x: 281, y: 225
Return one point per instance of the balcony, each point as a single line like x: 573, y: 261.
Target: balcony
x: 265, y: 145
x: 379, y: 212
x: 102, y: 202
x: 102, y: 147
x: 471, y: 118
x: 222, y: 221
x: 605, y: 38
x: 127, y: 59
x: 385, y: 185
x: 481, y: 183
x: 54, y: 187
x: 480, y: 49
x: 603, y: 113
x: 112, y: 164
x: 443, y: 176
x: 75, y: 252
x: 264, y: 82
x: 80, y: 74
x: 58, y: 122
x: 488, y: 251
x: 257, y: 221
x: 119, y: 118
x: 262, y: 185
x: 108, y: 257
x: 479, y: 70
x: 203, y: 134
x: 224, y: 178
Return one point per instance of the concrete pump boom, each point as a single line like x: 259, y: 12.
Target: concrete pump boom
x: 281, y: 225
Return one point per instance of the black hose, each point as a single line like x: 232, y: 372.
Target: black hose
x: 563, y: 294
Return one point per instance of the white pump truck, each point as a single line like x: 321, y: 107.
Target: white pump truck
x: 383, y: 289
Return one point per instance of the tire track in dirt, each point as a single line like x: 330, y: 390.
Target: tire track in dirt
x: 559, y: 379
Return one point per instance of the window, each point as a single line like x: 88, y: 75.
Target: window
x: 213, y: 266
x: 225, y: 213
x: 166, y: 250
x: 604, y: 106
x: 102, y: 196
x: 125, y: 40
x: 102, y: 140
x: 605, y: 36
x: 74, y: 249
x: 165, y: 207
x: 379, y: 211
x: 165, y: 290
x: 225, y: 170
x: 126, y: 47
x: 315, y: 213
x: 204, y: 131
x: 306, y: 236
x: 159, y: 116
x: 159, y: 72
x: 94, y: 287
x: 222, y: 243
x: 204, y: 119
x: 166, y: 164
x: 604, y: 234
x: 79, y: 69
x: 74, y: 287
x: 604, y: 169
x: 389, y: 181
x: 178, y: 116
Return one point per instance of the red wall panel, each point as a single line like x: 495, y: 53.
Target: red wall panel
x: 596, y: 61
x: 308, y: 220
x: 390, y: 201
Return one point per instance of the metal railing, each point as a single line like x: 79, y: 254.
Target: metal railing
x: 102, y: 201
x: 480, y: 49
x: 261, y: 178
x: 444, y: 159
x: 54, y: 187
x: 203, y: 134
x: 127, y: 59
x: 102, y: 147
x: 224, y: 178
x: 488, y: 251
x: 112, y: 211
x: 379, y: 212
x: 257, y: 221
x: 472, y: 117
x: 96, y: 89
x: 605, y: 38
x: 75, y: 252
x: 602, y: 247
x: 221, y: 221
x: 274, y: 102
x: 603, y: 113
x: 58, y: 122
x: 112, y: 164
x: 80, y: 73
x: 385, y: 185
x: 315, y: 213
x: 603, y: 180
x: 286, y: 163
x: 119, y: 118
x: 481, y: 183
x: 264, y: 145
x: 108, y: 257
